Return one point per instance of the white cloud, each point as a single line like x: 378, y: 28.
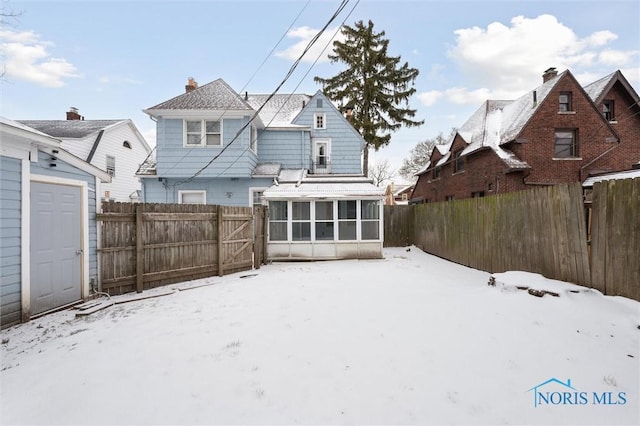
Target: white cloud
x: 305, y: 35
x: 505, y: 61
x: 25, y: 57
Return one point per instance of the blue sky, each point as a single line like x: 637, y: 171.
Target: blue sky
x: 111, y: 59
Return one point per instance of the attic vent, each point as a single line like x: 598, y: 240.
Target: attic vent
x: 126, y: 144
x: 318, y: 103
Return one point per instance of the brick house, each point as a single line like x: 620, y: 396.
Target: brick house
x: 559, y: 132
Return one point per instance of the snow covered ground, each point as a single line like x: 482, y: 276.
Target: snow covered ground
x: 410, y: 339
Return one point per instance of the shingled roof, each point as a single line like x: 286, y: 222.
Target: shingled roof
x: 216, y: 95
x: 69, y: 129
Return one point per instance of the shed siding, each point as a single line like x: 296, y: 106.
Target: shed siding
x: 175, y: 160
x: 64, y: 170
x: 10, y: 241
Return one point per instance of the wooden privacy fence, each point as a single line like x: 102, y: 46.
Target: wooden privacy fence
x: 149, y: 245
x: 615, y: 237
x: 541, y: 230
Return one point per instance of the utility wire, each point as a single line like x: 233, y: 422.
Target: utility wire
x: 264, y: 61
x: 340, y: 8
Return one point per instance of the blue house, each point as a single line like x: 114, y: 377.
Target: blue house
x: 295, y: 152
x: 48, y: 233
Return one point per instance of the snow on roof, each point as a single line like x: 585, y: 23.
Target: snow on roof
x: 595, y: 89
x: 72, y: 129
x: 216, y: 95
x: 267, y: 170
x: 337, y: 189
x: 280, y: 110
x: 147, y: 168
x: 628, y: 174
x: 291, y: 175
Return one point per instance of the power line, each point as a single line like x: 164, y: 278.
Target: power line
x: 341, y: 7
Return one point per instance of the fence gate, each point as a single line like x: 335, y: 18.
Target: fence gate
x: 143, y: 246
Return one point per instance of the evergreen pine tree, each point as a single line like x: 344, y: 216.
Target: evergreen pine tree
x: 374, y: 86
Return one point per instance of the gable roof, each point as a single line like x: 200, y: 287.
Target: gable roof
x: 280, y: 110
x: 216, y: 95
x: 69, y: 129
x: 599, y: 88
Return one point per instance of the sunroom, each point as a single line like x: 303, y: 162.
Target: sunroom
x: 325, y: 218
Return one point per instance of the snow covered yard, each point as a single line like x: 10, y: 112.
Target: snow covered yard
x: 410, y: 339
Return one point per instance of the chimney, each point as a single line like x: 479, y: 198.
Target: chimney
x: 191, y: 85
x: 549, y: 74
x: 73, y: 114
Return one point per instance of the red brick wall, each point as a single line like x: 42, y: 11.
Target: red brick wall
x: 485, y: 171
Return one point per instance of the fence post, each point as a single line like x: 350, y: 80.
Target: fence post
x: 220, y: 245
x: 139, y: 250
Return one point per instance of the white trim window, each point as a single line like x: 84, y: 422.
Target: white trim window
x: 255, y: 196
x: 111, y: 165
x: 300, y: 221
x: 319, y: 121
x: 322, y: 155
x: 192, y: 197
x: 203, y: 133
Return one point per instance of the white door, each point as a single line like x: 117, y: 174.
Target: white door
x: 56, y: 246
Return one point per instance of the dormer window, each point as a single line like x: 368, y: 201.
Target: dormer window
x: 319, y: 121
x: 608, y: 110
x: 458, y: 161
x: 436, y: 172
x: 564, y: 102
x: 126, y: 144
x: 203, y: 133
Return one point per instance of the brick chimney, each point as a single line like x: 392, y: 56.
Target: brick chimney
x: 73, y: 114
x: 191, y: 85
x: 549, y: 74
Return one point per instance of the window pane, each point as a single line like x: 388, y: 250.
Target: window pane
x: 192, y: 198
x: 213, y: 127
x: 193, y: 139
x: 277, y: 210
x: 301, y: 211
x: 301, y: 231
x: 324, y: 230
x: 347, y: 230
x: 347, y: 209
x: 213, y: 140
x: 324, y: 210
x: 370, y: 209
x: 193, y: 126
x: 278, y: 231
x: 370, y: 230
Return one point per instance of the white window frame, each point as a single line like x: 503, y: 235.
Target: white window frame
x: 192, y: 192
x: 253, y: 190
x: 336, y: 222
x: 316, y: 146
x: 203, y: 133
x: 110, y: 169
x: 323, y: 118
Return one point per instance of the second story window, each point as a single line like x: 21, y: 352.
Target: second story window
x: 203, y: 133
x: 253, y: 144
x: 564, y: 102
x: 436, y: 172
x: 566, y: 144
x: 111, y: 165
x: 458, y: 161
x: 319, y: 121
x: 608, y: 110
